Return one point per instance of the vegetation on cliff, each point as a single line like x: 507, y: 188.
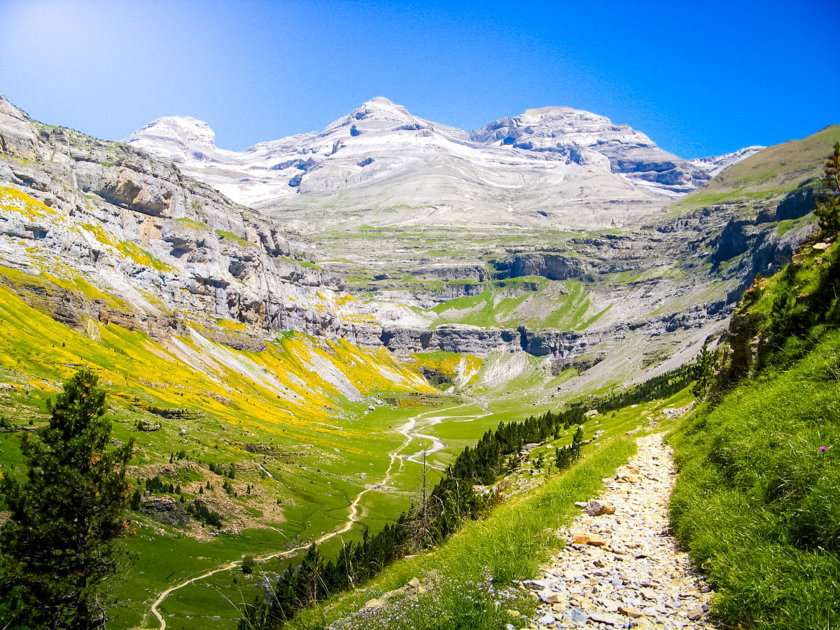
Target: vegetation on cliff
x: 757, y: 502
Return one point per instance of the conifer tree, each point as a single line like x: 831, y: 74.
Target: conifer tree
x: 58, y: 546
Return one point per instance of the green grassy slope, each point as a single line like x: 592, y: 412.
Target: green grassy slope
x: 473, y: 574
x: 770, y: 172
x: 758, y: 499
x: 281, y: 410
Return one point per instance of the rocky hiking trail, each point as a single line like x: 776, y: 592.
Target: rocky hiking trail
x: 621, y: 568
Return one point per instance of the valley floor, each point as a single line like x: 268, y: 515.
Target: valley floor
x: 398, y: 457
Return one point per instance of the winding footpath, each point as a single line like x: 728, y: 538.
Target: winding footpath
x: 621, y: 567
x: 409, y: 430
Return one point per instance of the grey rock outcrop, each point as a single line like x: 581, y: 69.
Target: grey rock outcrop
x: 159, y: 242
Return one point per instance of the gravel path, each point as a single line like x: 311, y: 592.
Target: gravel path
x: 623, y: 569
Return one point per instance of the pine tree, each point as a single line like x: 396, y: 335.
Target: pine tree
x: 704, y: 371
x: 828, y: 207
x: 59, y: 544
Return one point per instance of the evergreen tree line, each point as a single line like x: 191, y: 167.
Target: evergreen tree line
x: 663, y: 386
x: 199, y: 510
x: 222, y: 470
x: 158, y: 485
x: 565, y: 456
x: 452, y: 501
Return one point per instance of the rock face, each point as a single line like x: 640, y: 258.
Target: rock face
x: 163, y: 251
x: 170, y: 250
x: 546, y: 167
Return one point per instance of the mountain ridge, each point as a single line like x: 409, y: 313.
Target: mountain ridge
x: 545, y: 166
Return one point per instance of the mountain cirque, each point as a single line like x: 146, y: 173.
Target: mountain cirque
x: 555, y: 232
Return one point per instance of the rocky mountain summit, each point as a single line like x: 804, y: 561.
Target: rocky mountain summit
x: 586, y: 138
x: 555, y: 167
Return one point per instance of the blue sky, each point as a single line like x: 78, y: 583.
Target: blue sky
x: 700, y: 78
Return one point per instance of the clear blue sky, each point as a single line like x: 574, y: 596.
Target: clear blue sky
x: 700, y: 78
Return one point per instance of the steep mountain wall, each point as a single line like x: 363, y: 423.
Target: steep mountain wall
x: 161, y: 249
x: 104, y: 231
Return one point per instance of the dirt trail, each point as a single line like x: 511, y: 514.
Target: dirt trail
x: 408, y: 430
x: 624, y: 570
x: 412, y: 431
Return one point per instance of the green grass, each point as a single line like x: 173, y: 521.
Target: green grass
x: 702, y: 199
x: 233, y: 237
x: 198, y: 225
x: 758, y: 502
x: 323, y: 444
x: 532, y: 302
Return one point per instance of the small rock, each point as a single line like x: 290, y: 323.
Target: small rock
x: 577, y: 615
x: 607, y: 618
x: 627, y: 611
x: 696, y: 614
x: 609, y: 605
x: 536, y: 585
x: 373, y: 604
x: 546, y: 620
x: 588, y: 539
x: 414, y: 582
x: 596, y: 508
x: 553, y: 598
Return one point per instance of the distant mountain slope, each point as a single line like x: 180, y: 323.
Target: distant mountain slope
x: 776, y: 170
x: 548, y: 167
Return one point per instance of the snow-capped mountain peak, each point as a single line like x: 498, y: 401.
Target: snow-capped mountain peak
x: 376, y: 115
x: 179, y: 138
x: 554, y: 164
x: 185, y: 129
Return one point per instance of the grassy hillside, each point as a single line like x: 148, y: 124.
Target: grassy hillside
x: 470, y: 580
x: 770, y: 172
x: 758, y: 499
x: 294, y: 420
